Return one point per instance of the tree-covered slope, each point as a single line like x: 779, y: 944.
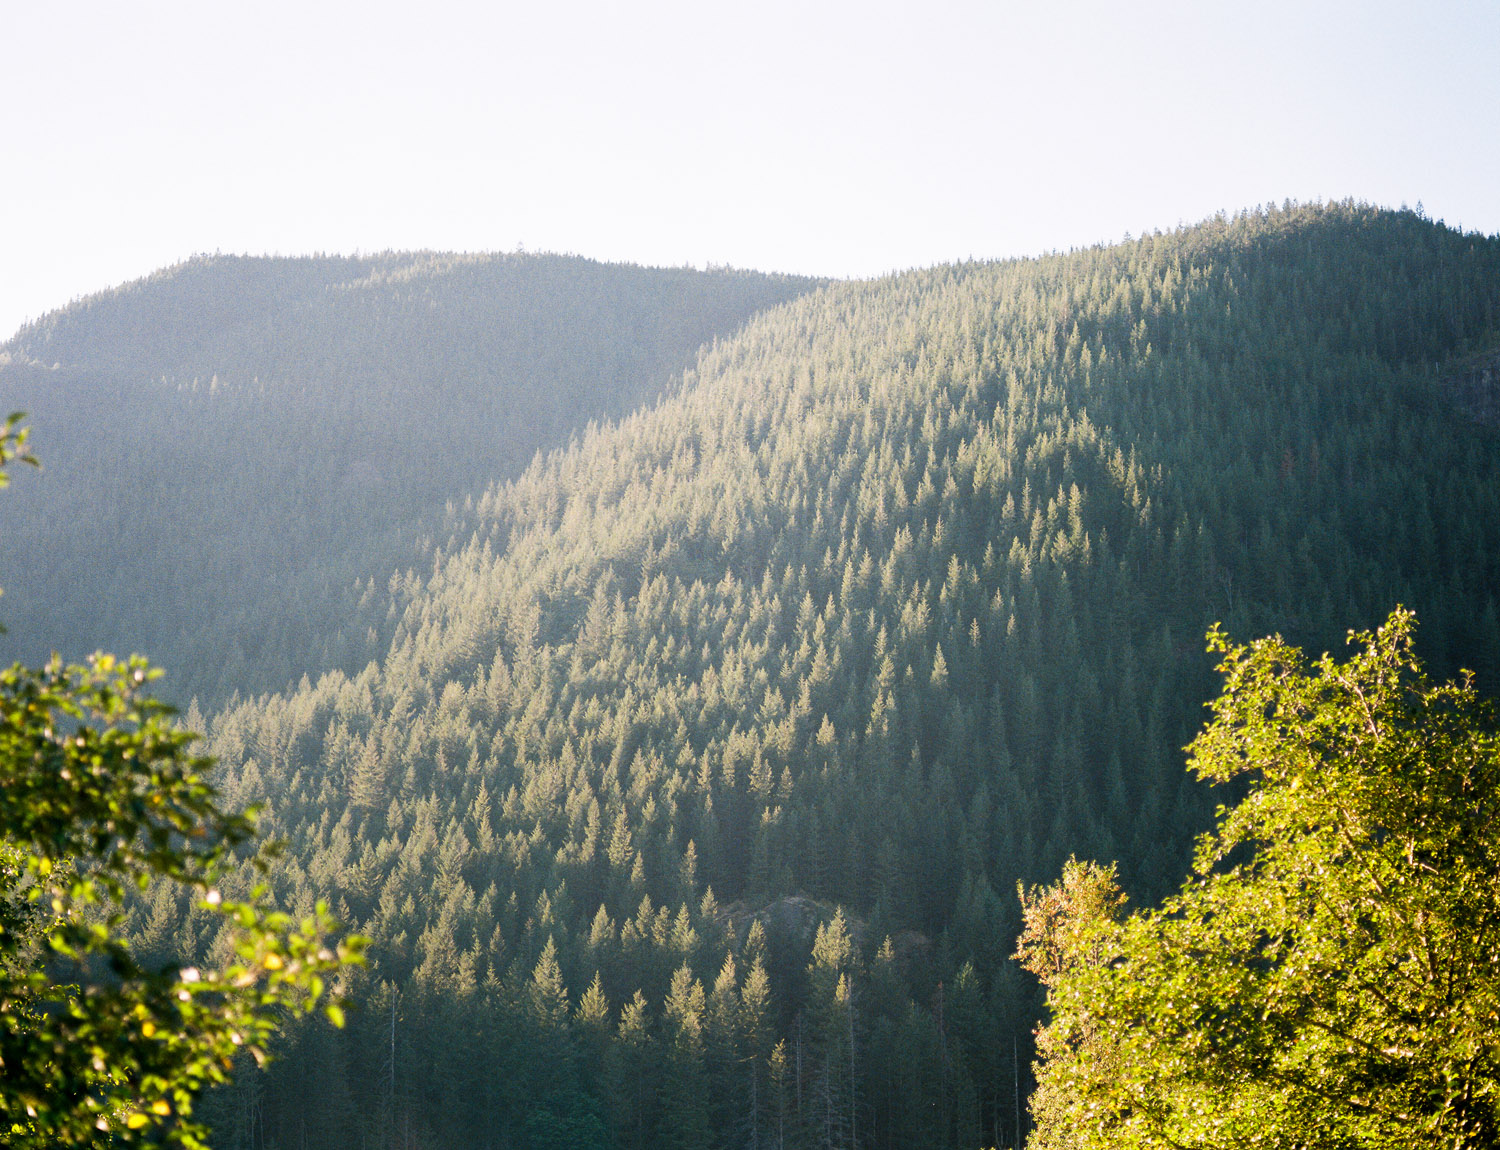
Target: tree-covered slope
x: 231, y: 443
x: 899, y: 601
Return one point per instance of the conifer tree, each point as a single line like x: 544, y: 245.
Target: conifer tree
x: 685, y: 1108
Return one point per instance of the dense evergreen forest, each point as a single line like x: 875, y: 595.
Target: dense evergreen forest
x: 686, y: 800
x: 281, y: 432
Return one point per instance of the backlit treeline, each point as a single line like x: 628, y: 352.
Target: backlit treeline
x: 277, y: 430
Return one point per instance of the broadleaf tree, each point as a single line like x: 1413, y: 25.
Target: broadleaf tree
x: 1330, y: 972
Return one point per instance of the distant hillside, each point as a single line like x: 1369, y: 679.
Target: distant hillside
x: 899, y: 601
x: 231, y: 443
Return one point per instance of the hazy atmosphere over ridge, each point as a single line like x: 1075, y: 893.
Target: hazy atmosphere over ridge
x: 831, y: 139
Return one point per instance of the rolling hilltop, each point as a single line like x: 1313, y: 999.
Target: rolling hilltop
x: 687, y: 797
x: 232, y: 443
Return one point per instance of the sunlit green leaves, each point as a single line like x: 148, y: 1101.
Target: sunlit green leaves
x: 13, y: 445
x: 97, y: 795
x: 1330, y: 974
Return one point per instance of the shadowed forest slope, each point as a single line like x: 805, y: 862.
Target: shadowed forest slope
x: 898, y: 601
x: 231, y: 444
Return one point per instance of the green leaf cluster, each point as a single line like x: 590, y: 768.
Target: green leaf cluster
x: 1330, y: 973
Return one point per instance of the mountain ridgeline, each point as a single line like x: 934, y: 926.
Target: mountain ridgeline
x: 238, y: 449
x: 686, y: 803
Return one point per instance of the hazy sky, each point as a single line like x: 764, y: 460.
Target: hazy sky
x: 837, y: 138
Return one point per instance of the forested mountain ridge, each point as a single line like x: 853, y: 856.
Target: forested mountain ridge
x: 233, y: 442
x: 897, y: 601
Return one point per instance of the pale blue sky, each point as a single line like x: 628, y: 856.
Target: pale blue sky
x: 835, y: 138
